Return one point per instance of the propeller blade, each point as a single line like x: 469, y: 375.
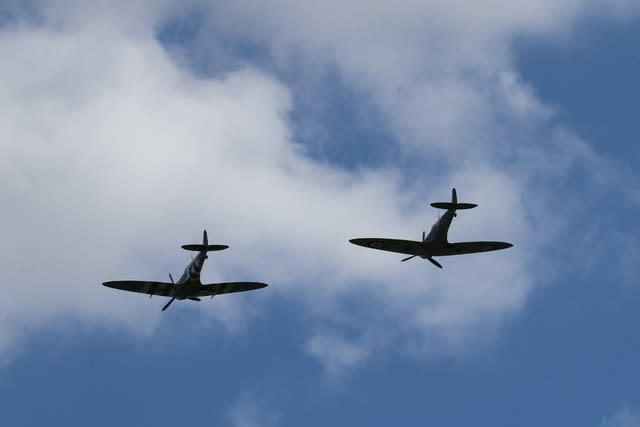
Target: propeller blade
x: 168, y: 304
x: 434, y: 262
x: 423, y: 235
x: 407, y: 259
x: 171, y: 277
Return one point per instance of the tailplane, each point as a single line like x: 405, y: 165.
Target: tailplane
x: 205, y: 246
x: 453, y: 204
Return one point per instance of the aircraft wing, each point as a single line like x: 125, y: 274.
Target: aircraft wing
x: 470, y: 248
x: 229, y: 288
x: 144, y: 287
x: 408, y: 247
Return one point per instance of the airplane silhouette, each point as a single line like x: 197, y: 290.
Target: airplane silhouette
x: 435, y: 243
x: 189, y: 285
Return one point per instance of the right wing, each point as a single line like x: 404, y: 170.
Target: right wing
x: 471, y: 247
x: 143, y: 287
x: 408, y: 247
x: 229, y: 288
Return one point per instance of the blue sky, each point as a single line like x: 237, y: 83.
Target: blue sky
x: 129, y: 129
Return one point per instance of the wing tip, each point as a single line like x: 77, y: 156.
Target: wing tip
x: 360, y: 241
x: 503, y: 245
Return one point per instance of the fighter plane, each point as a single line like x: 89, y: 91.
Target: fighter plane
x: 435, y: 243
x: 189, y: 286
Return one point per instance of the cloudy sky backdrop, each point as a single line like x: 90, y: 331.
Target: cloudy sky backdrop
x: 286, y: 128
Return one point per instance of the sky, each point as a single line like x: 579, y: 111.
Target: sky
x: 285, y: 129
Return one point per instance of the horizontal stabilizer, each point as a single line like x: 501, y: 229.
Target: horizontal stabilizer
x: 205, y: 248
x: 454, y: 206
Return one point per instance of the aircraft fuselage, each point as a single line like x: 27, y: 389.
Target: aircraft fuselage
x: 189, y: 283
x: 437, y: 237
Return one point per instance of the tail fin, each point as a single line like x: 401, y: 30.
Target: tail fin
x: 205, y: 246
x: 453, y: 205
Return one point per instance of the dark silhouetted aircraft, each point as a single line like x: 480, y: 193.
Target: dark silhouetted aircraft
x: 435, y: 243
x: 189, y: 286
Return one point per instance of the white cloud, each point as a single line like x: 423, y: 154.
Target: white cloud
x: 337, y: 354
x: 251, y: 410
x: 106, y: 155
x: 624, y: 417
x: 113, y: 155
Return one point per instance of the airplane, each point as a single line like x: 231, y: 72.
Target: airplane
x: 189, y: 286
x: 435, y: 243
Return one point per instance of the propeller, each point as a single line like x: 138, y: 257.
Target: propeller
x: 168, y: 304
x: 424, y: 236
x: 171, y: 300
x: 431, y: 260
x: 434, y: 262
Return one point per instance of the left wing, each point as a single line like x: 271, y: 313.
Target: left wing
x: 229, y: 288
x: 408, y: 247
x: 470, y: 248
x: 143, y: 287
